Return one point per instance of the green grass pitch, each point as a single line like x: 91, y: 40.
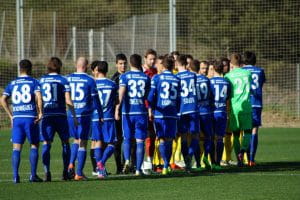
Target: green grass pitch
x: 277, y: 176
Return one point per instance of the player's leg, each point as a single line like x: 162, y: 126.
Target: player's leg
x: 109, y: 137
x: 92, y: 157
x: 194, y: 130
x: 18, y: 138
x: 256, y: 121
x: 207, y: 128
x: 150, y: 142
x: 74, y: 147
x: 33, y: 136
x: 83, y: 132
x: 128, y: 132
x: 96, y: 144
x: 118, y: 147
x: 221, y: 121
x: 140, y: 126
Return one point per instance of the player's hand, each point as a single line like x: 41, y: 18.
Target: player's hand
x: 76, y: 123
x: 117, y: 116
x: 11, y: 121
x: 101, y: 120
x: 39, y: 117
x: 151, y: 117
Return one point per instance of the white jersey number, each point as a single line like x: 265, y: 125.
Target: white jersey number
x: 23, y: 95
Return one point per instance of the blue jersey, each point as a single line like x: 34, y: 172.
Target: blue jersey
x: 53, y: 89
x: 137, y: 86
x: 107, y: 91
x: 204, y: 94
x: 220, y: 89
x: 83, y: 93
x: 22, y: 92
x: 258, y: 80
x: 188, y: 92
x: 164, y: 95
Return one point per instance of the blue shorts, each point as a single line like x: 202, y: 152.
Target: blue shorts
x: 109, y: 131
x: 165, y: 128
x: 206, y: 124
x: 189, y: 123
x: 256, y: 117
x: 51, y: 124
x: 134, y: 126
x: 25, y: 127
x: 82, y: 130
x: 220, y: 123
x: 96, y: 131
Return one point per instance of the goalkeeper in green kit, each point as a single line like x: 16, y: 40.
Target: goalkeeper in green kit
x: 240, y: 117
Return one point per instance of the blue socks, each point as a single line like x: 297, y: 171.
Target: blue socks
x: 16, y: 162
x: 46, y: 157
x: 219, y: 150
x: 33, y: 160
x: 253, y: 146
x: 66, y: 155
x: 126, y: 149
x: 109, y: 150
x: 98, y: 153
x: 164, y: 154
x: 140, y: 151
x: 81, y: 161
x: 74, y: 151
x: 195, y: 150
x: 207, y: 146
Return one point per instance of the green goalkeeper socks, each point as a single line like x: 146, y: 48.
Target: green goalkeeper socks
x: 246, y: 141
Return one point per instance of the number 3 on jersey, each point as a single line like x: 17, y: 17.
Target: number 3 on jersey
x: 50, y: 92
x: 166, y: 89
x: 136, y: 88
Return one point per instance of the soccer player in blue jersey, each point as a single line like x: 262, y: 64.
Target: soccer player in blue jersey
x: 25, y: 115
x: 164, y: 100
x: 134, y: 87
x: 85, y: 99
x: 220, y: 89
x: 258, y: 80
x: 188, y: 123
x: 56, y: 96
x: 204, y: 110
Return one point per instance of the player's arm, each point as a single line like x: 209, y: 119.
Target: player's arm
x: 96, y: 101
x: 5, y: 105
x: 39, y: 103
x: 122, y: 91
x: 70, y: 106
x: 151, y: 99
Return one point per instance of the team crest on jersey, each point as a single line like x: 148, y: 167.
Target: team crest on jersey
x: 128, y: 76
x: 162, y: 77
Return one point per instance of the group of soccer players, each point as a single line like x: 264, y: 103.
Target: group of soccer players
x: 162, y: 101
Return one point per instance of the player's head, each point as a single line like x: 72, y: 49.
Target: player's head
x: 82, y: 64
x: 226, y: 65
x: 159, y: 59
x: 249, y: 58
x: 150, y: 57
x: 54, y: 65
x: 210, y: 71
x: 235, y: 60
x: 136, y: 61
x: 181, y: 62
x: 218, y: 67
x: 25, y: 67
x: 203, y: 67
x: 94, y: 67
x: 121, y: 63
x: 175, y: 54
x: 195, y: 66
x: 168, y: 63
x: 102, y: 67
x: 189, y: 60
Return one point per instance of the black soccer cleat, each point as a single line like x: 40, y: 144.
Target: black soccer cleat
x: 35, y: 179
x: 47, y: 177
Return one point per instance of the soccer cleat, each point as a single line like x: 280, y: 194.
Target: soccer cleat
x: 80, y: 178
x: 94, y: 173
x: 206, y: 163
x: 35, y: 179
x: 71, y: 171
x: 139, y: 173
x: 232, y: 163
x: 101, y: 170
x: 240, y: 160
x: 65, y: 176
x: 47, y: 177
x: 188, y: 164
x: 176, y: 167
x: 224, y: 163
x: 126, y: 168
x: 158, y: 169
x: 16, y: 179
x: 165, y: 171
x: 251, y: 164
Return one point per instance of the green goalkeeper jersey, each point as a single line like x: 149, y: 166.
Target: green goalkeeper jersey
x: 240, y: 81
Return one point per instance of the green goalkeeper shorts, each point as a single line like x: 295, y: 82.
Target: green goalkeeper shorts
x: 240, y: 122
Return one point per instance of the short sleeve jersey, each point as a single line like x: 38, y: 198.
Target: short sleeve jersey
x: 220, y: 89
x: 204, y: 94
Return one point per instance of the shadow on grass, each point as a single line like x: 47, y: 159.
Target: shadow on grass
x: 261, y: 167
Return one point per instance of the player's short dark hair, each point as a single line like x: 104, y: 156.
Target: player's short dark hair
x: 121, y: 56
x: 182, y: 59
x: 236, y: 59
x: 150, y: 52
x: 205, y: 62
x: 102, y: 67
x: 218, y: 66
x: 161, y: 57
x: 168, y: 62
x: 189, y: 56
x: 175, y: 53
x: 25, y: 66
x: 195, y: 66
x: 223, y: 59
x: 54, y: 65
x: 136, y: 61
x: 94, y: 64
x: 249, y: 58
